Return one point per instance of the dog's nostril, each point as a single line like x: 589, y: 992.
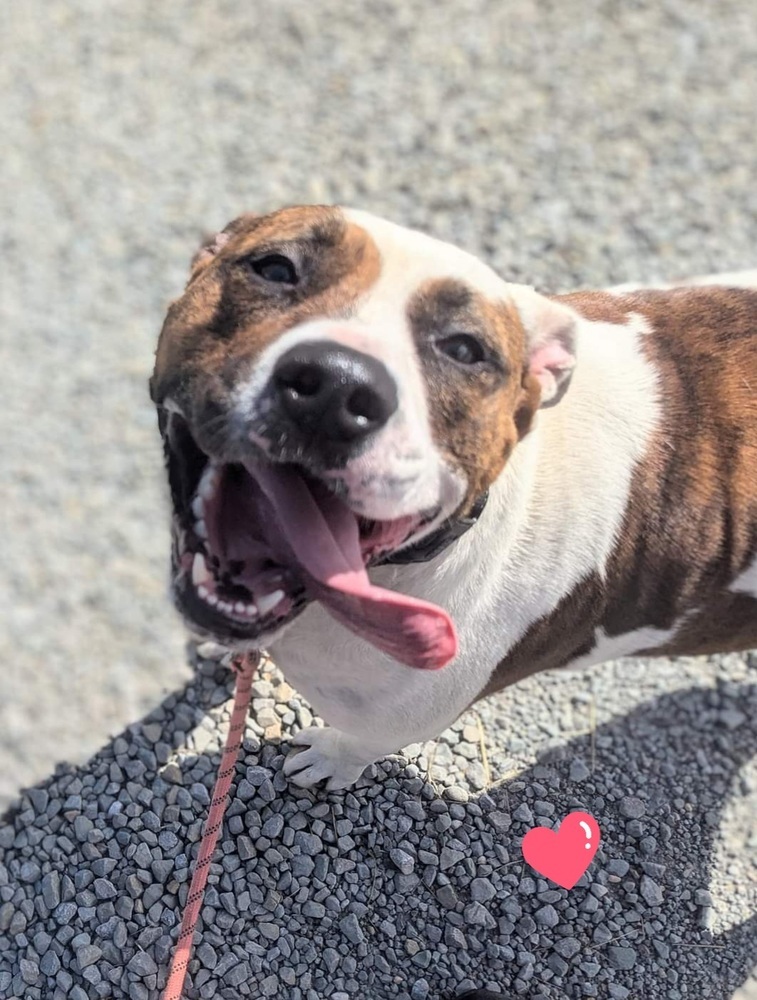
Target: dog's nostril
x: 304, y: 380
x: 366, y: 406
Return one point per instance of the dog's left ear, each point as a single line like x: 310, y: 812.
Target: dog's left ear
x: 211, y: 245
x: 550, y: 341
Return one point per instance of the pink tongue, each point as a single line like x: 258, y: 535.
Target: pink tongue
x: 325, y: 541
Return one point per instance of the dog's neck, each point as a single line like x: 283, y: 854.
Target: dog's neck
x: 555, y: 513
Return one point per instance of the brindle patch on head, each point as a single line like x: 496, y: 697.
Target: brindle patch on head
x: 478, y: 412
x: 228, y: 314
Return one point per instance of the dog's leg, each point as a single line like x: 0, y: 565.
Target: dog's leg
x: 329, y: 754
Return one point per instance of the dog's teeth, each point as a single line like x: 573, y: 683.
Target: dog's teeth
x: 269, y: 601
x: 239, y: 608
x: 198, y: 507
x: 225, y: 606
x: 200, y: 573
x: 203, y: 592
x: 251, y: 610
x: 213, y: 600
x: 201, y: 528
x: 208, y: 482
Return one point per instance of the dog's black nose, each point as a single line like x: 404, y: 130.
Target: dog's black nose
x: 331, y: 391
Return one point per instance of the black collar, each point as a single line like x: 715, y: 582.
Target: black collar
x: 430, y: 546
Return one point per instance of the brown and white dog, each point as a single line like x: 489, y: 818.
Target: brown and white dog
x: 337, y: 393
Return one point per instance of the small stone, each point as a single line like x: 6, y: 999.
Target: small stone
x: 621, y: 958
x: 454, y: 938
x: 703, y: 898
x: 527, y: 886
x: 632, y: 807
x: 270, y: 986
x: 546, y: 916
x: 104, y: 888
x: 419, y: 990
x: 557, y: 964
x: 49, y: 964
x: 401, y: 860
x: 308, y: 843
x: 732, y: 718
x: 650, y: 891
x: 567, y: 947
x: 447, y: 897
x: 449, y: 858
x: 523, y: 814
x: 29, y: 872
x: 482, y: 890
x: 51, y: 889
x: 273, y: 826
x: 152, y: 731
x: 29, y: 971
x: 578, y: 770
x: 88, y: 955
x: 142, y: 965
x: 456, y: 794
x: 351, y: 929
x: 172, y: 773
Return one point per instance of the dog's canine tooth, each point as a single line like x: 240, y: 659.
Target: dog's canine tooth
x: 201, y: 528
x: 198, y: 507
x: 269, y: 601
x: 208, y: 482
x: 200, y: 573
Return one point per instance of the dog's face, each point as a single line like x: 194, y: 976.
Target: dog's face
x: 330, y: 370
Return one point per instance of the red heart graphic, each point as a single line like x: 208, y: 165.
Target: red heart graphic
x: 563, y: 855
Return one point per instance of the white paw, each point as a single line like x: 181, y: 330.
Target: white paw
x: 327, y: 755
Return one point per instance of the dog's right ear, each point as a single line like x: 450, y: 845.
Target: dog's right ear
x: 213, y: 244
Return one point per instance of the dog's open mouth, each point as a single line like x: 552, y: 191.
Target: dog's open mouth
x: 256, y: 542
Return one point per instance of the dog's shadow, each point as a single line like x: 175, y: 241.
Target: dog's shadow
x: 639, y: 924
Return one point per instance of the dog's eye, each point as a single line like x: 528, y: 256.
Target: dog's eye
x: 276, y: 268
x: 462, y: 348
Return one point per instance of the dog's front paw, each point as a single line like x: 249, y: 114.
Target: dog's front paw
x: 326, y: 755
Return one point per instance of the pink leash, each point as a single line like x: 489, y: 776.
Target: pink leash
x: 244, y: 667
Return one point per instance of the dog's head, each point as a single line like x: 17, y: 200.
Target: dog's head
x: 332, y: 387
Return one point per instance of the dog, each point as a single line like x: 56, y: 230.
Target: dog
x: 415, y: 483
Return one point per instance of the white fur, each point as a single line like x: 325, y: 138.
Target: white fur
x: 616, y: 646
x: 746, y: 582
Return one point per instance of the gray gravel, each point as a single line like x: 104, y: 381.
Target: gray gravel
x: 568, y: 144
x: 398, y: 888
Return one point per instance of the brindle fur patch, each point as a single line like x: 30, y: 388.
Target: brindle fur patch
x: 478, y: 414
x: 227, y: 316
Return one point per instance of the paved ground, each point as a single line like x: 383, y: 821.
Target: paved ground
x: 567, y: 143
